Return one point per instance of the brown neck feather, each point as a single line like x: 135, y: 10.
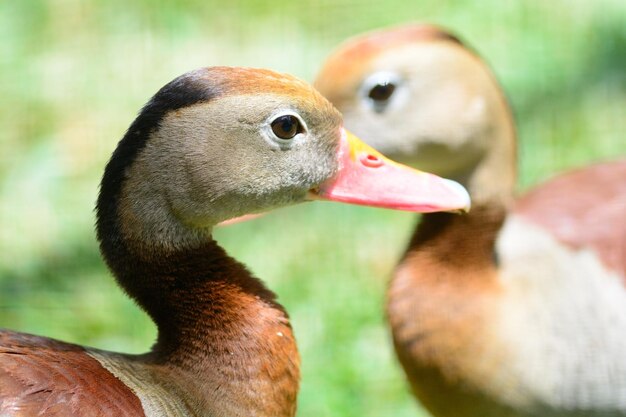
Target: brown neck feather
x: 460, y: 241
x: 217, y: 324
x: 190, y: 293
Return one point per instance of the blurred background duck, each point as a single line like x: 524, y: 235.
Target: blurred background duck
x: 212, y: 144
x: 519, y: 307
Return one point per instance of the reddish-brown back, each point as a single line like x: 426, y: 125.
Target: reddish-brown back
x: 584, y: 208
x: 41, y: 376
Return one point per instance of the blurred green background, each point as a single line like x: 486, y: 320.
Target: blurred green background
x: 73, y: 74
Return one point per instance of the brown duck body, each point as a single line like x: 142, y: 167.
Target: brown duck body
x: 517, y: 309
x: 510, y: 313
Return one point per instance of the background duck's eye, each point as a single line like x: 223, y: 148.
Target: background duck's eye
x: 382, y: 91
x: 286, y: 127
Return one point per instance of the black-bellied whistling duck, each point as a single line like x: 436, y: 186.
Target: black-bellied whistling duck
x: 519, y: 307
x: 212, y: 144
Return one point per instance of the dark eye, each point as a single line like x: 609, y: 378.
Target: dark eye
x: 286, y: 127
x: 381, y: 92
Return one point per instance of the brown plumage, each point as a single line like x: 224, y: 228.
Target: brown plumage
x: 517, y: 309
x: 41, y: 376
x: 214, y: 143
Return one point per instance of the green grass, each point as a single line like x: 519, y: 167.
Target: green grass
x: 74, y: 73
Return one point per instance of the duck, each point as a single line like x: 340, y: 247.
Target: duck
x: 213, y: 144
x: 519, y: 307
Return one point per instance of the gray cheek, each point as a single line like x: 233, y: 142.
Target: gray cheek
x: 319, y: 163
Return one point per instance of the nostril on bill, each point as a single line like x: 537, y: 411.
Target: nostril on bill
x: 371, y: 161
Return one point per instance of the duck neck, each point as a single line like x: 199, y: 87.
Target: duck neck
x: 491, y: 178
x: 190, y: 293
x: 466, y: 240
x: 458, y: 241
x: 492, y: 181
x: 470, y: 239
x: 214, y: 320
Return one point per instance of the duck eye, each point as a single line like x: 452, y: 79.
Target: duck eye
x: 286, y: 127
x: 381, y: 92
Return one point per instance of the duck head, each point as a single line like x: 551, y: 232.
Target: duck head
x: 222, y: 142
x: 419, y: 95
